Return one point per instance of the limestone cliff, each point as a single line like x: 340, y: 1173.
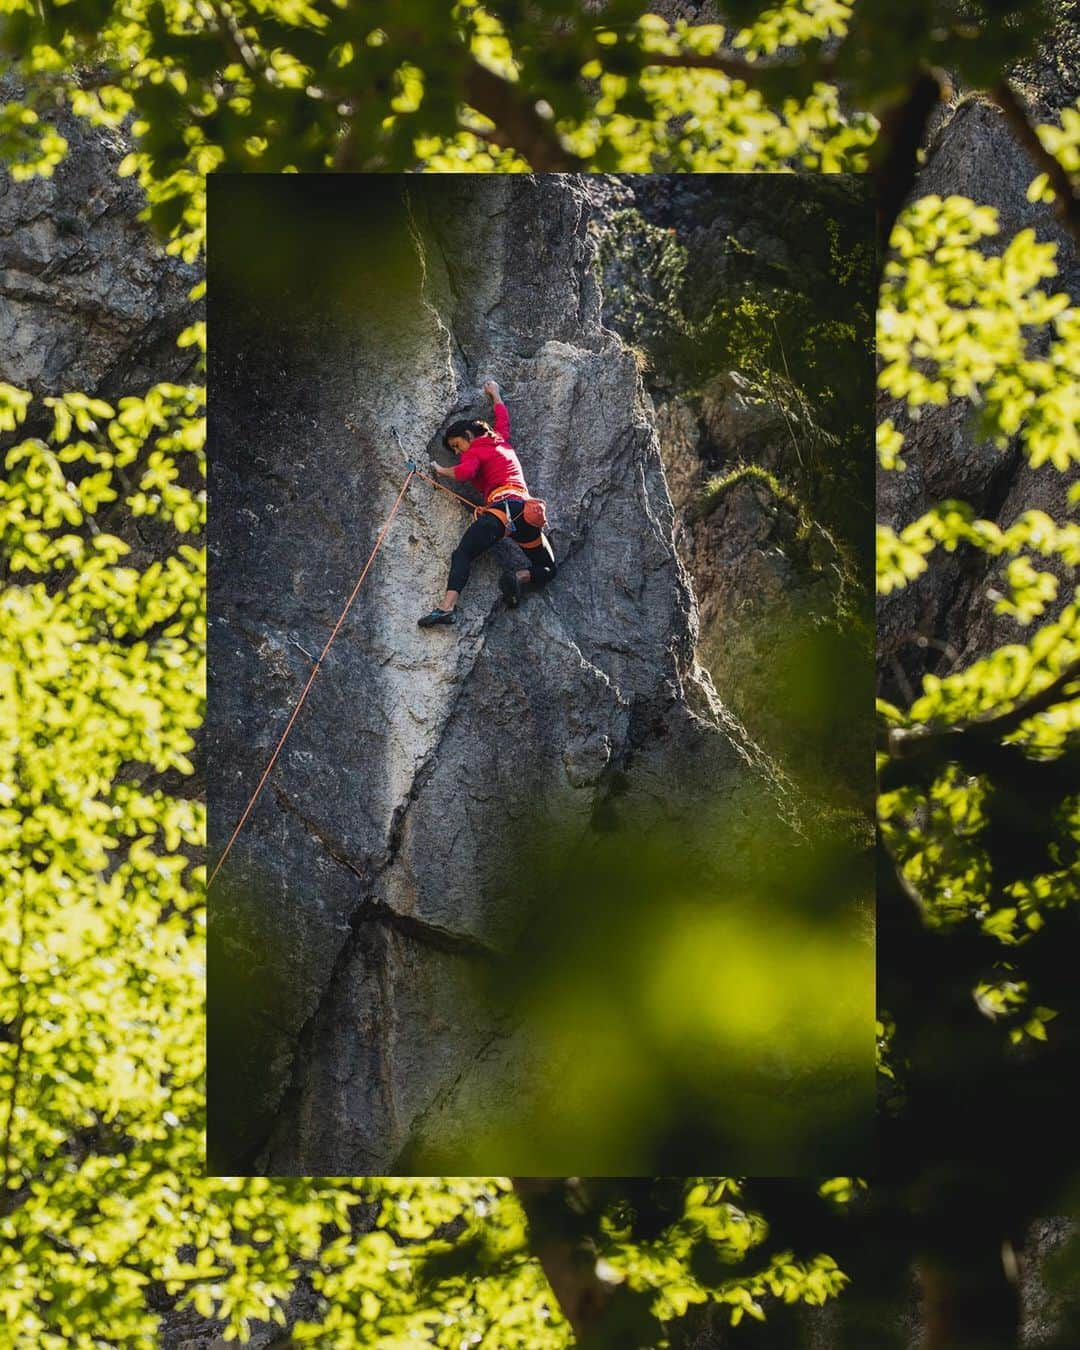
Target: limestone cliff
x: 372, y: 875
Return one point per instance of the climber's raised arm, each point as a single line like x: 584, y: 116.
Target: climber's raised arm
x: 502, y: 417
x: 462, y: 439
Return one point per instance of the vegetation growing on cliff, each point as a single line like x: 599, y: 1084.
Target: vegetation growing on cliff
x: 752, y: 301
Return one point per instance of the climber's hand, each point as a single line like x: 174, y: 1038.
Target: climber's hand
x: 492, y: 390
x: 440, y: 469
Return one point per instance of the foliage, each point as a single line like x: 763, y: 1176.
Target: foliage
x: 101, y: 691
x: 29, y: 147
x: 956, y: 322
x: 979, y: 879
x: 307, y: 85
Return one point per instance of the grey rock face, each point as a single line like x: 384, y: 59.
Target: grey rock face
x: 1049, y: 1300
x: 88, y: 299
x: 762, y: 575
x: 742, y: 549
x: 743, y: 422
x: 380, y: 866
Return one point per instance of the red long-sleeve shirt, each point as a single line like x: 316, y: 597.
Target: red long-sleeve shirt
x: 491, y: 460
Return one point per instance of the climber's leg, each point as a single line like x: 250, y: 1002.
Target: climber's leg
x: 541, y: 563
x: 540, y: 570
x: 479, y: 537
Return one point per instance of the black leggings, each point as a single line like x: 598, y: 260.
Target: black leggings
x: 486, y: 531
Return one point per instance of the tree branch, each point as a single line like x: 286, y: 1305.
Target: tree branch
x: 220, y: 15
x: 1004, y: 723
x: 747, y: 71
x: 904, y: 742
x: 518, y: 125
x: 735, y: 68
x: 1066, y: 203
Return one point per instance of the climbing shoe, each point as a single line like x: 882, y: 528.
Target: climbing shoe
x: 511, y: 588
x: 438, y: 616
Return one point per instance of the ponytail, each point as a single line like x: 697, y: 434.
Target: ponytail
x: 470, y: 429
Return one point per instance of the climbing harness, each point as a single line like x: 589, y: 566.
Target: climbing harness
x: 536, y: 517
x: 413, y: 472
x: 534, y: 512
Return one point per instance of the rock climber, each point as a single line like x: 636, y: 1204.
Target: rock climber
x: 486, y: 458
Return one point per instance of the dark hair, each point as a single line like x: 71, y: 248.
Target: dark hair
x: 470, y: 429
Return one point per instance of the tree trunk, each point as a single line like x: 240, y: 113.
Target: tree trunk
x: 569, y: 1267
x: 970, y: 1301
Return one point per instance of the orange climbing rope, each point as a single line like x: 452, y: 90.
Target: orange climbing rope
x: 315, y: 671
x: 413, y: 473
x: 449, y: 491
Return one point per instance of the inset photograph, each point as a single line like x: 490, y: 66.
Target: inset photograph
x: 540, y: 735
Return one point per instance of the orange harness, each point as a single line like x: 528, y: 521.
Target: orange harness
x: 534, y: 513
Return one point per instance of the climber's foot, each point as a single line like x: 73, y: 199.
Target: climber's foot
x: 438, y: 616
x: 511, y: 588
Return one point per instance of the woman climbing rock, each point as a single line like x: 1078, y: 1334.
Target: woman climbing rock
x: 487, y: 459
